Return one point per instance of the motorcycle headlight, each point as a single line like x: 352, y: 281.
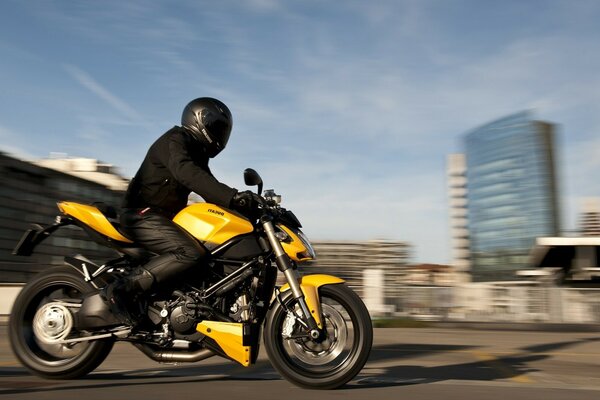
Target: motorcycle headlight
x: 309, y: 249
x: 297, y: 246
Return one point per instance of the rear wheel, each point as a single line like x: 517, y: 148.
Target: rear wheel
x: 334, y: 359
x: 40, y: 321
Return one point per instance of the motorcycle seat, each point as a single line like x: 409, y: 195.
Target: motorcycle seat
x: 110, y: 212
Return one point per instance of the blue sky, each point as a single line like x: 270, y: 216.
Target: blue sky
x: 347, y: 108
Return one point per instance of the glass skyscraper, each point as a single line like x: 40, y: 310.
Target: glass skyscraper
x: 511, y: 193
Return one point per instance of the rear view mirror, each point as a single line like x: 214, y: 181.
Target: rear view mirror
x: 252, y: 178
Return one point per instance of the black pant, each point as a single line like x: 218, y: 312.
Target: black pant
x: 177, y: 250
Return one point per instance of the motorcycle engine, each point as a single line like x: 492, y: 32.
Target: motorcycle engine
x: 182, y: 318
x: 179, y: 314
x: 240, y: 310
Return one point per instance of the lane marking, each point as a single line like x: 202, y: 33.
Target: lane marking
x: 509, y: 372
x: 553, y: 354
x: 565, y: 386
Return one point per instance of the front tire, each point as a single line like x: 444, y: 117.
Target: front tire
x: 336, y: 359
x: 41, y: 305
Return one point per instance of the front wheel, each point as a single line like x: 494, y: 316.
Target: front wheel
x: 333, y: 359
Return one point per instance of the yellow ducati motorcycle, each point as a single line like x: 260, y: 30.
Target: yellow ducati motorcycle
x: 316, y: 330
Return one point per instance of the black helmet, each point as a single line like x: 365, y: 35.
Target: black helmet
x: 209, y: 120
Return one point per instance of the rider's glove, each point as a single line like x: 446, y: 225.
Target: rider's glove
x: 246, y: 201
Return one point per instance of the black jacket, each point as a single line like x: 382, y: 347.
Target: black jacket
x: 175, y: 165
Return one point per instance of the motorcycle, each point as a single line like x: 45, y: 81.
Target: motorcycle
x: 317, y: 332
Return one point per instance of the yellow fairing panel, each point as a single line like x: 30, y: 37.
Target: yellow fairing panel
x: 229, y: 337
x: 211, y: 223
x: 93, y: 218
x: 310, y: 288
x: 295, y: 249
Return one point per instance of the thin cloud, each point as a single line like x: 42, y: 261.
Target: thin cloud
x: 96, y: 88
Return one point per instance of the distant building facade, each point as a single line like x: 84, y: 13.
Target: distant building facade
x: 350, y: 259
x: 86, y: 168
x: 512, y: 193
x: 589, y: 217
x: 456, y: 168
x: 29, y: 193
x: 431, y: 275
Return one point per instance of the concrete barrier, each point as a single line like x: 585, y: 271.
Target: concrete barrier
x: 8, y: 294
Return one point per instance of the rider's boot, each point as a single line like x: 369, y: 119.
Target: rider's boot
x: 121, y: 294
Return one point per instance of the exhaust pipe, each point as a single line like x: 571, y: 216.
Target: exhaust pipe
x: 173, y: 356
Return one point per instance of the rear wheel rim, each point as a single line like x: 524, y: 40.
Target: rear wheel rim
x: 42, y: 333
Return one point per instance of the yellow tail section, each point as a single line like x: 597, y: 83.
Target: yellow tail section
x: 93, y: 218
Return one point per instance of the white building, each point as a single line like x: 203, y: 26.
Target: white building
x: 456, y: 169
x: 86, y: 168
x: 589, y: 218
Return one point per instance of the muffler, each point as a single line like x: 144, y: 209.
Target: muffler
x: 173, y: 355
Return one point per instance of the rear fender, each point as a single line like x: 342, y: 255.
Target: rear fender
x: 310, y: 285
x: 36, y: 235
x: 88, y: 270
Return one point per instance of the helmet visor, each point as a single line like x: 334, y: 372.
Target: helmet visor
x: 219, y: 129
x: 215, y: 129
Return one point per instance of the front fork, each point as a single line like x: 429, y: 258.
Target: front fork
x: 285, y: 265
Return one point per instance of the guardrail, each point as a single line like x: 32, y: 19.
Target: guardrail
x: 498, y: 304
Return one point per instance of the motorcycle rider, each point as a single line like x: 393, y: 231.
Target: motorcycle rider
x: 175, y: 165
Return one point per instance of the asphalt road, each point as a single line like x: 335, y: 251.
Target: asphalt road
x: 404, y: 364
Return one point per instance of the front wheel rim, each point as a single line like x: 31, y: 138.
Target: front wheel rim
x: 335, y: 352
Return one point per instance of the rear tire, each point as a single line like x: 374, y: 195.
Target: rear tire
x: 332, y: 362
x: 53, y: 361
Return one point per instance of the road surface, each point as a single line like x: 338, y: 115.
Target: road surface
x: 427, y: 363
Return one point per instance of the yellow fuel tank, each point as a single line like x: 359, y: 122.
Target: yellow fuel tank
x: 212, y: 224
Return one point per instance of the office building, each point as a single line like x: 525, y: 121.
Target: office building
x: 29, y: 193
x: 512, y: 193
